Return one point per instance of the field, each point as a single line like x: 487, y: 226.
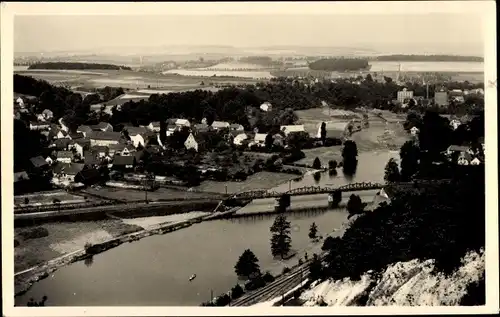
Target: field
x: 47, y: 198
x: 128, y: 79
x: 261, y: 180
x: 139, y: 196
x: 64, y: 238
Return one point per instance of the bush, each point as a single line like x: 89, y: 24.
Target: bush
x: 268, y: 278
x: 223, y: 300
x: 255, y: 284
x: 34, y: 233
x: 286, y: 269
x: 236, y: 291
x: 56, y: 201
x: 316, y: 163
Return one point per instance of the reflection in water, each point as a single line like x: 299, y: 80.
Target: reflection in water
x: 349, y: 169
x: 317, y: 177
x: 332, y: 173
x: 89, y: 261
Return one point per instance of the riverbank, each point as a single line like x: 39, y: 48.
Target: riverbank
x: 100, y: 238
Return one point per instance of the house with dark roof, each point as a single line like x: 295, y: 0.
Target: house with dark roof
x: 201, y: 128
x: 76, y: 135
x: 154, y: 126
x: 39, y: 162
x: 64, y: 173
x: 88, y: 176
x: 64, y: 156
x: 123, y: 162
x: 102, y: 126
x: 60, y: 144
x: 91, y: 158
x: 85, y: 129
x: 104, y: 138
x: 101, y: 151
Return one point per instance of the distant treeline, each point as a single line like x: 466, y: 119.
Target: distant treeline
x: 428, y: 58
x: 259, y: 60
x: 76, y: 66
x: 340, y: 64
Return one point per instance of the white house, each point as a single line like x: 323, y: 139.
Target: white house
x: 266, y: 106
x: 49, y: 160
x: 39, y: 126
x: 78, y: 148
x: 236, y: 127
x: 47, y: 114
x: 414, y: 131
x: 259, y: 139
x: 238, y: 139
x: 217, y: 125
x: 20, y: 102
x: 191, y: 143
x: 137, y: 140
x: 475, y: 161
x: 287, y: 129
x: 63, y: 126
x: 61, y: 134
x: 455, y: 123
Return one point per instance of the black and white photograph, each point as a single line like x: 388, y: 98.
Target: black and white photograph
x: 321, y: 156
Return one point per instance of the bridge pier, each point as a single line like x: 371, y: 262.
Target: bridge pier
x: 334, y: 198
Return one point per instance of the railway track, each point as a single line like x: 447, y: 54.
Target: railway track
x: 275, y: 289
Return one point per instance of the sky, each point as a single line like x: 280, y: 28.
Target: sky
x: 439, y: 32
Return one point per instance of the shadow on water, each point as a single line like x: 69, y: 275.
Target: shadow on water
x: 89, y: 261
x: 317, y: 177
x: 332, y: 173
x: 298, y: 214
x: 349, y: 169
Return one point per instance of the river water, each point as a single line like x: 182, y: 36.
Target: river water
x: 154, y: 271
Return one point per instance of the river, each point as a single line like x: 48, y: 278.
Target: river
x: 154, y: 271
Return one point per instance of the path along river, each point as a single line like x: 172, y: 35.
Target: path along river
x: 154, y: 271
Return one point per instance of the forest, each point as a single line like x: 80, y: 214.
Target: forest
x: 340, y: 64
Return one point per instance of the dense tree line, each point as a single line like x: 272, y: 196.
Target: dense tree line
x: 428, y: 58
x: 339, y: 64
x: 258, y: 60
x: 76, y: 66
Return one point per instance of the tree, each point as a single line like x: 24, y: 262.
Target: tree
x: 313, y: 231
x: 269, y: 141
x: 392, y: 171
x: 349, y: 155
x: 247, y: 265
x: 409, y: 155
x: 354, y: 205
x: 236, y: 291
x: 315, y: 268
x: 316, y: 163
x: 323, y: 132
x: 280, y: 240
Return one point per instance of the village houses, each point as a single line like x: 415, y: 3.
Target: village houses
x: 154, y: 126
x: 39, y: 126
x: 259, y: 139
x: 240, y: 138
x: 64, y: 173
x: 218, y: 125
x: 414, y: 131
x: 102, y: 126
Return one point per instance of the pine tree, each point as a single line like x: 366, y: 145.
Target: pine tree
x: 392, y: 173
x: 247, y: 265
x: 313, y: 230
x: 317, y: 163
x: 280, y: 240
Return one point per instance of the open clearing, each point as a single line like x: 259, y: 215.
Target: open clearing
x: 129, y: 79
x: 151, y: 222
x: 48, y: 198
x: 131, y: 195
x: 65, y: 237
x: 260, y: 180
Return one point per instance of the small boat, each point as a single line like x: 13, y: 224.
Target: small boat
x: 192, y: 277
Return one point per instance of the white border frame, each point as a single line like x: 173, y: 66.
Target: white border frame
x: 485, y: 8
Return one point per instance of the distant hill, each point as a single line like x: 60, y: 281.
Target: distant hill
x: 76, y: 66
